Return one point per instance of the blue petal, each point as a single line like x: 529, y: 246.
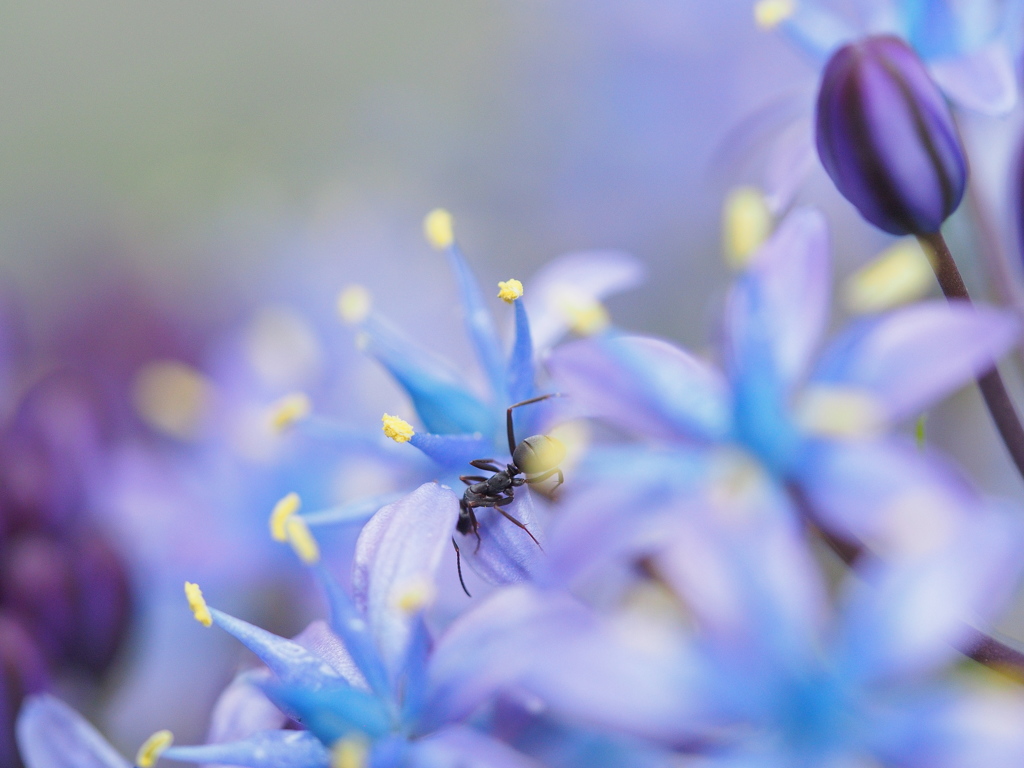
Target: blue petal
x: 413, y: 678
x: 521, y: 374
x: 287, y: 659
x: 984, y: 80
x: 453, y: 451
x: 400, y: 549
x: 816, y: 31
x: 269, y: 749
x: 507, y: 554
x: 461, y: 747
x: 52, y: 735
x: 242, y: 709
x: 358, y: 511
x: 334, y: 712
x: 479, y: 323
x: 444, y: 406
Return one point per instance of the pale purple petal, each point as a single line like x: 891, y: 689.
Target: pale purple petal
x: 462, y: 747
x: 983, y: 80
x: 780, y: 306
x: 575, y: 278
x: 644, y: 385
x: 241, y: 710
x: 52, y: 735
x: 913, y: 357
x: 268, y: 749
x: 507, y: 554
x: 400, y: 549
x: 790, y: 162
x: 319, y: 639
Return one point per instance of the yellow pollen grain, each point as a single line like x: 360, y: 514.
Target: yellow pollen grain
x: 438, y: 228
x: 746, y: 224
x: 510, y: 290
x: 350, y: 752
x: 839, y: 412
x: 770, y: 13
x: 280, y: 515
x: 354, y: 304
x: 290, y: 410
x: 302, y: 541
x: 152, y: 748
x: 416, y: 596
x: 900, y: 274
x: 200, y: 609
x: 397, y: 429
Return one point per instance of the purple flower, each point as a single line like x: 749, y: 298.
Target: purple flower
x: 886, y: 137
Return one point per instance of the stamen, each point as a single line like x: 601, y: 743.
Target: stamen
x: 397, y: 429
x: 302, y: 540
x: 586, y: 315
x: 510, y: 290
x: 415, y: 596
x: 746, y: 224
x: 350, y: 752
x: 437, y: 227
x: 900, y: 274
x: 200, y: 610
x: 280, y: 515
x: 770, y: 13
x: 290, y: 410
x: 152, y: 748
x: 354, y: 304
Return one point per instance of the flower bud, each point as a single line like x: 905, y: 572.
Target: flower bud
x: 886, y: 137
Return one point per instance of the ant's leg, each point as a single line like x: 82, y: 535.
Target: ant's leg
x: 517, y: 522
x: 458, y: 567
x: 488, y: 464
x: 508, y: 418
x: 470, y: 479
x: 475, y: 528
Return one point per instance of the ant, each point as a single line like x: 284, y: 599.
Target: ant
x: 533, y: 461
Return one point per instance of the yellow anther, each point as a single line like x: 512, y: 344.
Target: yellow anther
x: 587, y: 317
x: 770, y: 13
x: 290, y: 410
x: 152, y: 748
x: 397, y: 429
x: 172, y: 397
x: 200, y: 609
x: 354, y: 304
x: 841, y: 412
x: 437, y: 227
x: 350, y: 752
x: 279, y: 517
x: 415, y: 596
x: 302, y: 541
x: 510, y: 290
x: 746, y: 224
x: 900, y: 274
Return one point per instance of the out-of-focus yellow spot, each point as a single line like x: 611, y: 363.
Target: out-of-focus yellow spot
x: 900, y: 274
x: 438, y: 229
x: 350, y: 752
x: 289, y: 411
x: 841, y: 412
x: 584, y: 314
x: 172, y: 397
x: 746, y: 224
x: 282, y: 511
x: 354, y: 304
x: 283, y: 348
x: 302, y: 541
x: 770, y: 13
x: 397, y: 429
x: 415, y: 596
x: 510, y: 290
x: 197, y: 603
x: 921, y: 431
x: 575, y: 435
x: 152, y: 748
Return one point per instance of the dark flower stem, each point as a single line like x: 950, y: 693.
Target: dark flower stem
x: 1000, y: 406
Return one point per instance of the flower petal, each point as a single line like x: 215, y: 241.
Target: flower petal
x: 331, y: 713
x: 507, y: 554
x: 453, y: 451
x: 400, y: 549
x: 52, y: 735
x: 268, y: 749
x: 983, y: 80
x: 911, y: 358
x: 462, y: 747
x: 522, y: 377
x: 320, y: 640
x: 242, y: 709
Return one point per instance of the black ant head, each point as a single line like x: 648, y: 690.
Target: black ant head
x: 538, y: 454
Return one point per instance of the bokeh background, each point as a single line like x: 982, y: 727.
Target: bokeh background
x: 191, y: 184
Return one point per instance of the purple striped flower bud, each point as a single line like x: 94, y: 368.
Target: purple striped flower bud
x: 886, y: 137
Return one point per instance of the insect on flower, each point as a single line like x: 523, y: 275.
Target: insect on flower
x: 534, y: 460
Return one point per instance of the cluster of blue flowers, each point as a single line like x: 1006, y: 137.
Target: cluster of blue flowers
x: 757, y: 561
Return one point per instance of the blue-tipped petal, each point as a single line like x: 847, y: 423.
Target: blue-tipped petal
x: 453, y: 452
x: 292, y: 663
x: 52, y: 735
x: 332, y: 713
x: 354, y: 633
x: 269, y: 749
x: 397, y: 556
x: 522, y: 377
x: 479, y: 322
x: 358, y: 511
x: 443, y: 405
